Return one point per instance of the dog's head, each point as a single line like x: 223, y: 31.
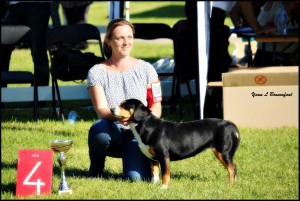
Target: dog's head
x: 133, y: 109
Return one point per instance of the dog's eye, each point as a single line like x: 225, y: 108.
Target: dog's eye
x: 127, y: 107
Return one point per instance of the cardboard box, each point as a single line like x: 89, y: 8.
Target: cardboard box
x: 261, y: 97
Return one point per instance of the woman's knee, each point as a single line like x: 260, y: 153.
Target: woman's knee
x: 133, y: 176
x: 99, y: 138
x: 98, y: 134
x: 105, y: 135
x: 136, y: 166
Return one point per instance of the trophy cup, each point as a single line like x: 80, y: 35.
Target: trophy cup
x: 62, y: 146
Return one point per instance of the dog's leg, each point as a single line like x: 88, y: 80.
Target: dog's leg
x: 154, y: 171
x: 165, y: 170
x: 232, y: 172
x: 231, y: 167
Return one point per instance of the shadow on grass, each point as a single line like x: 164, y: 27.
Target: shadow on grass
x: 181, y: 175
x: 172, y: 11
x: 8, y: 188
x: 83, y: 174
x: 8, y: 165
x: 23, y: 112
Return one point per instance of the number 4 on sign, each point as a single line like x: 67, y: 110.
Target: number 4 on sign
x: 34, y: 173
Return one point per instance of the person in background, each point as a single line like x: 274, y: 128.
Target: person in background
x: 34, y: 14
x: 287, y: 54
x: 118, y: 78
x: 75, y: 12
x: 239, y: 21
x: 219, y: 59
x: 54, y: 14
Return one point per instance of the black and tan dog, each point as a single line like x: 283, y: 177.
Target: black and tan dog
x: 164, y: 141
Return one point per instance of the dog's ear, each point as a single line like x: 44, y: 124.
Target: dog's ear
x: 141, y: 113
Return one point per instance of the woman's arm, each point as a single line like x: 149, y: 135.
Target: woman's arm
x: 156, y: 107
x: 248, y: 11
x: 235, y: 16
x: 100, y: 103
x: 265, y: 18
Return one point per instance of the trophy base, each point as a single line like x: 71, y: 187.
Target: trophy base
x: 64, y: 192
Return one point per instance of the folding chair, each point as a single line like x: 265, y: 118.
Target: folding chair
x: 151, y: 31
x: 69, y: 35
x: 13, y: 35
x: 186, y: 61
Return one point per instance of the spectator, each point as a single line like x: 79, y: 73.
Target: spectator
x: 219, y: 58
x: 75, y: 12
x: 118, y: 78
x: 36, y: 16
x: 286, y: 54
x: 54, y: 14
x: 239, y: 21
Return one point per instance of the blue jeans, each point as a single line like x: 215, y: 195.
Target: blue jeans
x: 107, y: 138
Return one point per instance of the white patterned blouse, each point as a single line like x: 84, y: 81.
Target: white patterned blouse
x: 123, y: 85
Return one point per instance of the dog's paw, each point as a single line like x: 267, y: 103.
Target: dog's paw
x: 164, y: 187
x: 155, y: 179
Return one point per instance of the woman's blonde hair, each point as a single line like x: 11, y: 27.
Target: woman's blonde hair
x: 109, y: 32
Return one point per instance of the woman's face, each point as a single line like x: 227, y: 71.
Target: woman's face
x: 122, y: 41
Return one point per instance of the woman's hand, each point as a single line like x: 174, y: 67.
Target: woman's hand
x: 269, y: 29
x: 124, y: 121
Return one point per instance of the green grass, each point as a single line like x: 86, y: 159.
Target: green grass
x: 168, y: 12
x: 267, y: 162
x: 267, y: 159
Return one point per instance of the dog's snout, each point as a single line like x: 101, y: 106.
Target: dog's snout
x: 115, y: 111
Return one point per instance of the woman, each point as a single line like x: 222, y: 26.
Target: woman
x: 118, y: 78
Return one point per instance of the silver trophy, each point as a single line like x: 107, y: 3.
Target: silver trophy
x: 62, y: 146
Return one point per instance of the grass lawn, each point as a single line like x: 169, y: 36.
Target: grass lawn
x: 267, y: 163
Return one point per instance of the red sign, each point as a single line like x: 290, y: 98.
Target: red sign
x: 34, y: 172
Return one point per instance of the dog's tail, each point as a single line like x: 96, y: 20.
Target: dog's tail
x: 235, y: 135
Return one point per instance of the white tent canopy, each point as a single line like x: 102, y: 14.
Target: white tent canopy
x: 204, y: 9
